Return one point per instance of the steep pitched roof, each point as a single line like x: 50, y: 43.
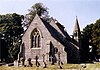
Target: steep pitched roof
x: 56, y: 30
x: 59, y: 27
x: 53, y: 23
x: 62, y: 29
x: 61, y: 35
x: 34, y: 21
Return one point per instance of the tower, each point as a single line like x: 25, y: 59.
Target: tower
x: 77, y: 37
x: 76, y: 32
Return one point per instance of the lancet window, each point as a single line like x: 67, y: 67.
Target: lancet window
x: 35, y: 39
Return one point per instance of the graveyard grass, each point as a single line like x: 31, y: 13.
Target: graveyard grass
x: 55, y: 67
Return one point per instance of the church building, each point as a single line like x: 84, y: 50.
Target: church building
x: 51, y: 41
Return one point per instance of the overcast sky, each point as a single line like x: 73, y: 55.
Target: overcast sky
x: 65, y: 11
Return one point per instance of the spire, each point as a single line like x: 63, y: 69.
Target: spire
x: 76, y: 32
x: 76, y: 28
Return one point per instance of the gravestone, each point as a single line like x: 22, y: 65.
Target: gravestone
x: 59, y: 60
x: 44, y: 63
x: 51, y: 59
x: 37, y: 63
x: 23, y: 61
x: 29, y: 62
x: 16, y: 63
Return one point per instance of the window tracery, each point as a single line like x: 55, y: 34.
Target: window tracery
x: 35, y: 39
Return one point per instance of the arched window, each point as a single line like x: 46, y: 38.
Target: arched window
x: 35, y: 39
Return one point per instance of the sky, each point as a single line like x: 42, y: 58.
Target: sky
x: 65, y: 11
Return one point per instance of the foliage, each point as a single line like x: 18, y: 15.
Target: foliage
x: 39, y: 9
x: 85, y: 37
x: 96, y: 36
x: 11, y: 29
x: 91, y: 37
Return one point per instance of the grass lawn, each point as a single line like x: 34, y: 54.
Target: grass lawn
x: 55, y: 67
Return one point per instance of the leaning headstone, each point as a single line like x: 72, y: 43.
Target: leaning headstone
x: 23, y: 61
x: 16, y: 63
x: 45, y: 65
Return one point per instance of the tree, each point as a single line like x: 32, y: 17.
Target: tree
x: 39, y: 9
x: 85, y: 37
x: 11, y: 29
x: 96, y: 37
x: 91, y: 37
